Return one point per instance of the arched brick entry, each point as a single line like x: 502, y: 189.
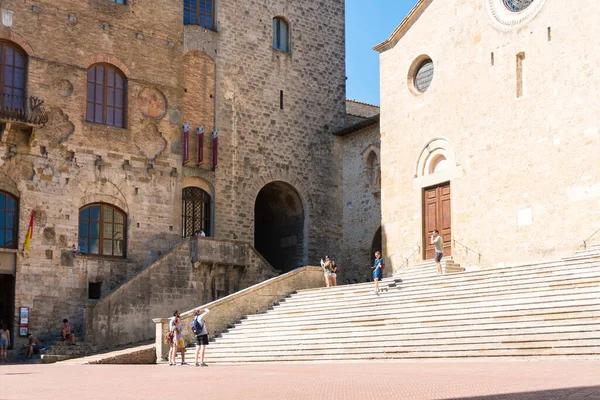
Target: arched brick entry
x: 376, y: 244
x: 279, y: 221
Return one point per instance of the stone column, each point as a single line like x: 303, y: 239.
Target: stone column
x: 162, y: 349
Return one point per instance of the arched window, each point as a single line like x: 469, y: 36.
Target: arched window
x: 374, y: 170
x: 106, y: 95
x: 102, y: 230
x: 12, y: 76
x: 8, y: 220
x: 199, y: 12
x: 281, y: 34
x: 196, y: 207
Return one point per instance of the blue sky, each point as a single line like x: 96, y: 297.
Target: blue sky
x: 369, y: 22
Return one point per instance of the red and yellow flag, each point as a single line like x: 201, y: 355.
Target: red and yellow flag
x: 29, y: 233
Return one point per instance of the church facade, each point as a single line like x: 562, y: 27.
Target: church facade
x: 490, y: 131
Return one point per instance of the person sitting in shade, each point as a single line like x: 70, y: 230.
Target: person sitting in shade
x: 65, y: 332
x: 33, y: 345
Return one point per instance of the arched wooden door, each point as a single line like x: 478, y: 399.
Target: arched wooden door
x: 437, y: 215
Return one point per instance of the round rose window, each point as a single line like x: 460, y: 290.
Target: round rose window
x: 517, y: 5
x: 424, y: 76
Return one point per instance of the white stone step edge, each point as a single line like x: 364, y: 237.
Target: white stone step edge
x: 458, y: 297
x: 590, y: 347
x: 473, y: 275
x: 442, y: 314
x: 475, y: 330
x: 552, y: 317
x: 463, y: 279
x: 535, y: 300
x: 414, y: 293
x: 372, y: 342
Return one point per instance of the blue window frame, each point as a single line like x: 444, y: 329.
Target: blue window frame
x: 199, y: 12
x: 102, y: 230
x: 281, y: 34
x: 9, y: 220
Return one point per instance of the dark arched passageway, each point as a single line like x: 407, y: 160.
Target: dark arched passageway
x: 279, y: 226
x: 376, y: 243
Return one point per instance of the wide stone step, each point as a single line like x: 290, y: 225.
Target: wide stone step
x: 480, y: 283
x: 405, y: 354
x: 475, y: 276
x: 448, y: 291
x: 555, y: 317
x: 541, y: 300
x: 411, y: 293
x: 550, y: 318
x: 535, y: 347
x: 375, y: 342
x: 499, y: 314
x: 400, y: 332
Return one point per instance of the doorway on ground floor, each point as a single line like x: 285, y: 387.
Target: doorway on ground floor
x: 7, y: 303
x: 437, y: 213
x: 279, y: 224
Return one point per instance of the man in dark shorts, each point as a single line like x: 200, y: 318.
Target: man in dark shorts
x: 202, y: 338
x: 437, y: 240
x: 33, y: 345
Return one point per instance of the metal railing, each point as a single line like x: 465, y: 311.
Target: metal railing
x: 585, y: 242
x: 29, y: 110
x: 467, y: 249
x: 406, y: 261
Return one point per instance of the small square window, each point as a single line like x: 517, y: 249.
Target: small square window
x: 94, y: 290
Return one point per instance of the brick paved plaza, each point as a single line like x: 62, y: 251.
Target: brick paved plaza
x: 570, y: 379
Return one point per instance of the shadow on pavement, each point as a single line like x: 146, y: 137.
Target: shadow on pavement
x: 577, y: 393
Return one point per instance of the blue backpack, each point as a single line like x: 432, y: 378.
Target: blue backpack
x: 197, y: 327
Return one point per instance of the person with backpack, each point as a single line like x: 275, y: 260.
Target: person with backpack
x: 198, y: 326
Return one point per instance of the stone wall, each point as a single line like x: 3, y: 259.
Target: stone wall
x: 363, y: 110
x: 253, y: 300
x: 197, y: 271
x: 259, y: 142
x: 362, y: 208
x: 138, y: 355
x: 524, y: 176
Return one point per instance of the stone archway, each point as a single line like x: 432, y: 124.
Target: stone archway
x: 279, y: 226
x: 376, y: 244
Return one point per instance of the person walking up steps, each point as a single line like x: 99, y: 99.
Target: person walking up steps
x: 439, y: 249
x: 199, y: 329
x: 378, y: 266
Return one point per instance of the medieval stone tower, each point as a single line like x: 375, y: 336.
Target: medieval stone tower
x: 128, y: 125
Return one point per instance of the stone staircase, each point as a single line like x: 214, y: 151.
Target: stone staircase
x: 549, y: 309
x: 590, y: 251
x: 427, y: 267
x: 61, y: 351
